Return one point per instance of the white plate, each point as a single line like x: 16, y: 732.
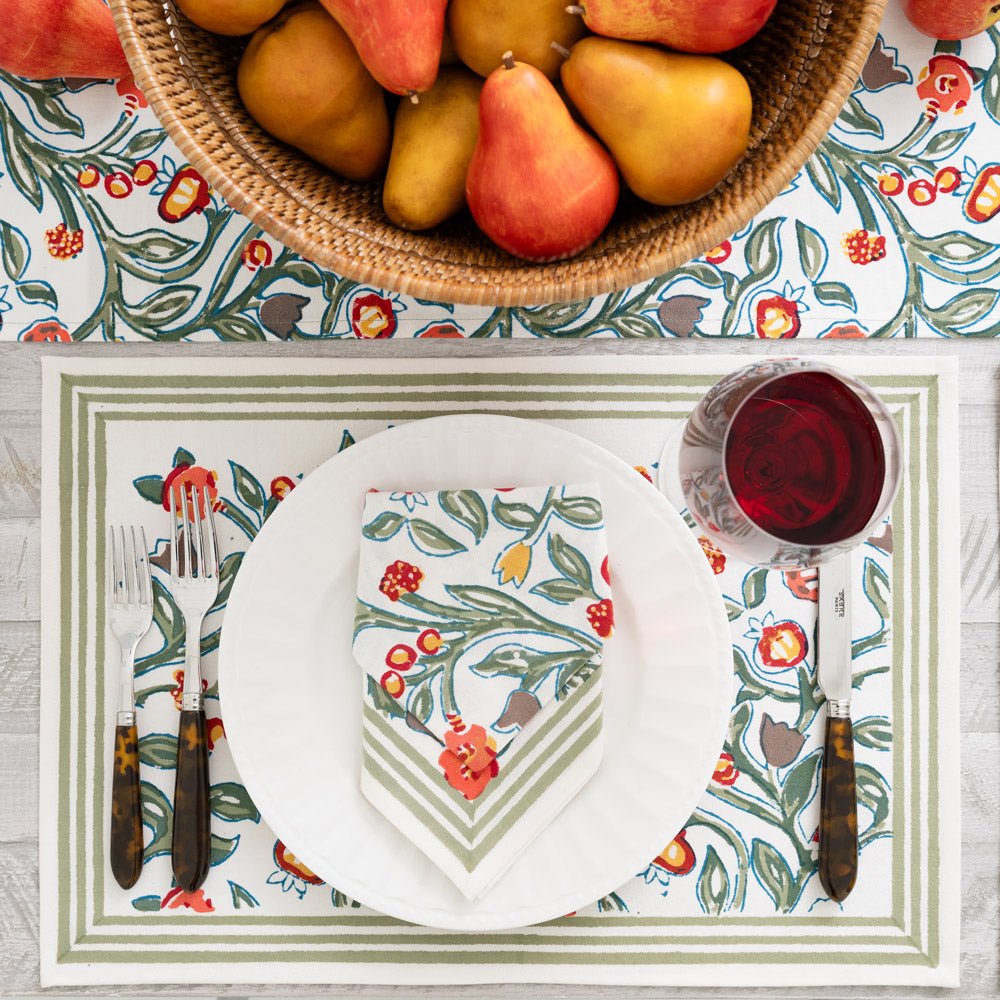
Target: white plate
x: 291, y: 691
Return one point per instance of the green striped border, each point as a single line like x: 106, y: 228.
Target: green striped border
x: 503, y: 396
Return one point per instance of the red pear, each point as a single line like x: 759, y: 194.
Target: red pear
x: 952, y: 19
x: 41, y: 39
x: 399, y: 43
x: 538, y: 185
x: 684, y: 25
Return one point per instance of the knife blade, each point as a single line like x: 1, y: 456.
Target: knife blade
x: 838, y: 828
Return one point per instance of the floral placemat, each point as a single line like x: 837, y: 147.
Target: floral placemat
x: 892, y: 229
x: 732, y: 897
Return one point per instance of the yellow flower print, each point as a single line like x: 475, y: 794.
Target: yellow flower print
x: 513, y: 564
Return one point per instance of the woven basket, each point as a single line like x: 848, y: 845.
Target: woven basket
x: 801, y: 69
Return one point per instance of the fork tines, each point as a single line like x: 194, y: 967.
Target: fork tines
x: 193, y: 547
x: 128, y: 566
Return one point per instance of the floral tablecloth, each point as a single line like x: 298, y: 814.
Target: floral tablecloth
x: 892, y: 229
x: 731, y: 898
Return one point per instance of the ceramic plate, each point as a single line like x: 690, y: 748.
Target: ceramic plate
x: 291, y: 690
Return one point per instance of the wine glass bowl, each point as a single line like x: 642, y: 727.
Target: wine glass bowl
x: 787, y: 463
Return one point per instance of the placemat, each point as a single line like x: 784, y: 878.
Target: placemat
x: 892, y: 229
x: 731, y: 899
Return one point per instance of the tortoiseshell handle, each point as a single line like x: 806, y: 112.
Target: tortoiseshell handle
x: 191, y: 849
x: 126, y: 809
x: 838, y: 824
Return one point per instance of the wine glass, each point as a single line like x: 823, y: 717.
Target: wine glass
x: 787, y: 463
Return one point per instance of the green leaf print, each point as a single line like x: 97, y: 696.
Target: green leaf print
x: 812, y: 251
x: 14, y: 251
x: 774, y: 874
x: 248, y: 487
x: 584, y: 512
x: 873, y: 731
x: 158, y: 815
x: 876, y: 585
x: 38, y: 293
x: 800, y: 784
x: 835, y: 293
x: 713, y: 883
x: 518, y: 516
x: 466, y: 507
x: 383, y: 527
x: 221, y: 848
x: 559, y: 591
x: 158, y: 750
x: 755, y: 588
x: 570, y: 562
x: 231, y: 802
x: 164, y: 306
x: 242, y: 897
x: 150, y: 488
x: 873, y: 792
x: 430, y: 539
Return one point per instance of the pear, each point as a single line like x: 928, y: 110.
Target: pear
x: 685, y: 25
x: 302, y: 81
x: 675, y: 124
x: 230, y: 17
x: 400, y: 43
x: 432, y: 145
x: 482, y: 30
x: 538, y: 185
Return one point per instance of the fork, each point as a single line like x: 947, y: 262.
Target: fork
x: 194, y: 576
x: 130, y: 614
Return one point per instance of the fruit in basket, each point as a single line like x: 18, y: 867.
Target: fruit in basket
x: 335, y: 112
x: 40, y: 39
x: 230, y: 17
x: 538, y: 185
x: 685, y: 25
x: 432, y: 144
x: 676, y: 124
x: 952, y: 19
x: 400, y: 43
x: 482, y: 30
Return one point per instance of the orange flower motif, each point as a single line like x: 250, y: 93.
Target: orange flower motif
x: 256, y: 254
x: 947, y: 179
x: 469, y: 762
x: 777, y: 318
x: 429, y: 641
x: 845, y: 331
x: 401, y: 657
x: 400, y: 577
x: 606, y: 571
x: 921, y: 192
x: 88, y: 176
x: 178, y: 690
x: 183, y: 480
x: 862, y: 247
x: 891, y: 183
x: 144, y: 172
x: 441, y: 331
x: 393, y: 684
x: 288, y: 862
x: 983, y: 200
x: 188, y: 192
x: 214, y: 730
x: 782, y: 645
x: 677, y: 857
x: 46, y: 331
x: 644, y: 472
x: 803, y: 583
x: 196, y: 901
x: 281, y: 486
x: 945, y: 84
x: 372, y: 317
x: 716, y: 557
x: 719, y: 254
x: 126, y: 87
x: 118, y: 184
x: 62, y: 243
x: 602, y: 618
x: 725, y: 770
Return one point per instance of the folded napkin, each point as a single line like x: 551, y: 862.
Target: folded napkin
x: 481, y: 620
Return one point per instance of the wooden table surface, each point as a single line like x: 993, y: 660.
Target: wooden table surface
x: 20, y: 530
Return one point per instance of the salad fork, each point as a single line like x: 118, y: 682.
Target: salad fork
x: 130, y: 614
x: 194, y: 576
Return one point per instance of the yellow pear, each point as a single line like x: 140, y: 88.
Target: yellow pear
x: 431, y: 148
x: 302, y: 81
x: 675, y: 124
x: 230, y: 17
x: 483, y: 30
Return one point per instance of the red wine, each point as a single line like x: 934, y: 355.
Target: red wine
x: 805, y: 459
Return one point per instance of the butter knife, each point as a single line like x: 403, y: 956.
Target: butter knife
x: 838, y: 825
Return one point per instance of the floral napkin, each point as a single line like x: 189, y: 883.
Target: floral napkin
x: 481, y: 620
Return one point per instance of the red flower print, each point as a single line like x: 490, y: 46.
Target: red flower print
x: 214, y: 731
x: 862, y: 247
x: 393, y: 684
x: 372, y: 317
x: 725, y: 770
x: 178, y: 689
x: 606, y: 571
x: 947, y: 179
x: 62, y: 243
x: 401, y: 657
x: 983, y: 200
x: 118, y: 184
x: 716, y: 557
x: 256, y: 254
x: 777, y: 318
x: 182, y: 480
x: 288, y: 862
x: 644, y: 472
x: 845, y: 331
x: 281, y: 486
x: 46, y: 331
x: 602, y: 618
x: 891, y: 183
x: 134, y: 100
x: 196, y: 901
x: 945, y: 84
x: 803, y: 583
x: 399, y: 577
x: 144, y: 172
x: 677, y: 857
x: 921, y: 192
x: 88, y: 176
x: 441, y: 331
x: 188, y: 192
x: 782, y: 645
x: 719, y: 254
x: 429, y: 641
x: 469, y: 760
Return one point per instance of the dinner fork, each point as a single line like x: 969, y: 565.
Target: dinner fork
x: 194, y: 577
x: 130, y: 614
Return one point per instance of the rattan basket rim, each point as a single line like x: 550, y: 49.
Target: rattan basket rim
x: 451, y: 282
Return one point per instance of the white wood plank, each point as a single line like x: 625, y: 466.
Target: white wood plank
x: 19, y: 570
